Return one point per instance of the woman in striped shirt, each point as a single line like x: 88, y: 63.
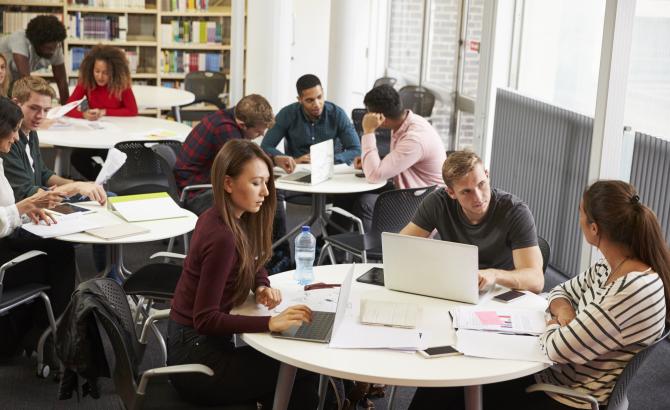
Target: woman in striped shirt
x: 600, y: 318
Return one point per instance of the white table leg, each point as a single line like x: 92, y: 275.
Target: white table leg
x: 284, y: 386
x: 473, y: 397
x: 323, y: 390
x: 58, y: 160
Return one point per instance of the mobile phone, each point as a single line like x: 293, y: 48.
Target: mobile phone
x: 360, y: 174
x: 374, y: 276
x: 66, y: 209
x: 508, y: 296
x: 83, y: 106
x: 439, y: 351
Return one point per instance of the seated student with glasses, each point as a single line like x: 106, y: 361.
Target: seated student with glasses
x: 23, y: 326
x: 600, y: 318
x: 230, y: 245
x: 469, y: 211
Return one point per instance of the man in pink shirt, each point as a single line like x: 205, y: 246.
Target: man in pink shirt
x: 417, y: 152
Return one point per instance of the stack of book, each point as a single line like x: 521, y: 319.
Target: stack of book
x: 15, y: 21
x: 189, y: 31
x: 118, y: 4
x: 177, y: 61
x: 97, y: 27
x: 184, y: 5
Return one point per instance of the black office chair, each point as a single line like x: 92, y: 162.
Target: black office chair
x: 144, y: 171
x: 148, y: 389
x: 382, y: 135
x: 20, y: 295
x: 385, y: 80
x: 619, y: 398
x: 208, y: 87
x: 418, y: 99
x: 393, y: 210
x: 546, y: 252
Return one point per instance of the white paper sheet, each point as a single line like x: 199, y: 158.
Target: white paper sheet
x: 352, y: 335
x: 500, y: 346
x: 67, y: 224
x: 60, y: 111
x: 518, y: 321
x: 115, y: 160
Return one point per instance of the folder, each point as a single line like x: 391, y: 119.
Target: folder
x: 145, y: 207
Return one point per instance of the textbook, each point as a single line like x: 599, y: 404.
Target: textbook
x: 145, y: 207
x: 117, y: 231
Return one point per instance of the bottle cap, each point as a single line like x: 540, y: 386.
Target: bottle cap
x: 305, y: 228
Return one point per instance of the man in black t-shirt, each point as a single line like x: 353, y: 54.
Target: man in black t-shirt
x: 469, y: 211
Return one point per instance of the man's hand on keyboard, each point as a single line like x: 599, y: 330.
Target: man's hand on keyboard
x: 292, y: 316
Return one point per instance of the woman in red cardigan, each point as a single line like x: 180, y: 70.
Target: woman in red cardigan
x: 104, y: 79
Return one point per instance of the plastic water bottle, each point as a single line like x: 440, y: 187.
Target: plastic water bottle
x: 305, y: 249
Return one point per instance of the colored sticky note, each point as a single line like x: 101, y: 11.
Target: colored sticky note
x: 488, y: 317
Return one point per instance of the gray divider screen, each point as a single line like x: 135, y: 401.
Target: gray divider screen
x: 540, y: 153
x: 650, y: 174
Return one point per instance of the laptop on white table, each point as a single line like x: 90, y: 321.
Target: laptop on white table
x: 429, y: 267
x: 322, y: 159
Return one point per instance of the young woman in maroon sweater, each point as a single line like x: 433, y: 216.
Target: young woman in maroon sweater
x: 231, y: 244
x: 104, y: 79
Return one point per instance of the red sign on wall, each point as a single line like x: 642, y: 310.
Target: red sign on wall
x: 474, y: 46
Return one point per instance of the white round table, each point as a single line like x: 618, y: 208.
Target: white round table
x: 340, y: 183
x: 381, y: 365
x: 77, y: 133
x: 153, y: 96
x: 158, y: 230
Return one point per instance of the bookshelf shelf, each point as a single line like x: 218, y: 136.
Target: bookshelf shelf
x: 81, y: 42
x: 109, y: 10
x: 206, y: 47
x: 195, y: 14
x: 31, y: 3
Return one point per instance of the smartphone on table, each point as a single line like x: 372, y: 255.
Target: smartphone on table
x: 374, y: 276
x: 439, y: 351
x: 508, y: 296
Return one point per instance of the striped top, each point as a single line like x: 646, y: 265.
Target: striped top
x: 613, y: 322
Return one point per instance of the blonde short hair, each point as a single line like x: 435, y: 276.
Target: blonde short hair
x: 24, y: 86
x: 457, y: 165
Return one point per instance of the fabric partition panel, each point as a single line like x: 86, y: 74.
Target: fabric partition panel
x: 650, y: 174
x: 540, y: 153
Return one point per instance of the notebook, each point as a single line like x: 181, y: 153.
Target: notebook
x: 430, y: 267
x: 117, y: 231
x: 322, y: 168
x: 324, y: 324
x: 387, y: 313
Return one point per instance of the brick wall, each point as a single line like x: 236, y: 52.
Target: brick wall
x: 441, y: 68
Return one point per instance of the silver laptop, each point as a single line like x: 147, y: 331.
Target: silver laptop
x: 322, y: 159
x: 430, y: 267
x: 324, y: 324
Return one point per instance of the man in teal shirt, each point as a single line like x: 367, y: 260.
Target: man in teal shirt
x: 309, y: 121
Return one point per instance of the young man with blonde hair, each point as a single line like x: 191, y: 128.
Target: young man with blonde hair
x: 500, y: 224
x: 24, y: 167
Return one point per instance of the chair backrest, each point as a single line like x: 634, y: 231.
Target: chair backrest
x: 619, y: 398
x: 382, y: 135
x: 144, y: 170
x: 385, y: 80
x: 418, y: 99
x: 207, y: 87
x: 546, y: 252
x: 395, y: 209
x: 123, y: 339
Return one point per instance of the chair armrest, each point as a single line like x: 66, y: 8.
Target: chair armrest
x: 180, y: 368
x: 21, y: 258
x: 155, y: 316
x: 550, y: 388
x: 349, y: 215
x: 170, y: 255
x: 189, y: 188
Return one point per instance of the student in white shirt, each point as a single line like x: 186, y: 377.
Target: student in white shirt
x: 22, y: 327
x: 602, y: 317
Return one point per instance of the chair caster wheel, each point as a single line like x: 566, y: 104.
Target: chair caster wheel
x: 43, y: 371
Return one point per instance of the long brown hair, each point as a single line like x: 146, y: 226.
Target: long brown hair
x: 117, y: 64
x: 616, y: 208
x: 252, y: 231
x: 4, y: 86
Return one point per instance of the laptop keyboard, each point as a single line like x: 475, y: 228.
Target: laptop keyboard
x: 299, y: 177
x: 322, y: 323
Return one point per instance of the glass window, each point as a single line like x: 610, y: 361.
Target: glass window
x: 443, y: 36
x: 406, y: 28
x: 560, y: 52
x: 648, y: 91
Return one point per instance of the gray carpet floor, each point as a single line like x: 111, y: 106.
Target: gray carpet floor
x: 21, y: 389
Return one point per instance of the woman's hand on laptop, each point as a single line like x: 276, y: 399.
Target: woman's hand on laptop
x: 292, y: 316
x: 268, y: 297
x: 305, y: 159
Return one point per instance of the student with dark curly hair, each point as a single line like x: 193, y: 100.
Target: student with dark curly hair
x: 39, y: 46
x: 104, y: 79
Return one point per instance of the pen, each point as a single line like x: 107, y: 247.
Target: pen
x: 321, y: 285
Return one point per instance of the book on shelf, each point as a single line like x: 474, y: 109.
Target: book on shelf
x: 116, y: 4
x: 177, y: 61
x: 14, y: 21
x: 191, y: 31
x: 184, y: 5
x: 98, y: 27
x: 77, y: 55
